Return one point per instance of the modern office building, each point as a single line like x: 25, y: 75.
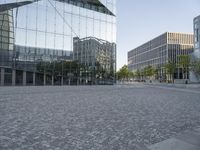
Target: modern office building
x: 40, y: 32
x: 195, y: 77
x: 161, y: 50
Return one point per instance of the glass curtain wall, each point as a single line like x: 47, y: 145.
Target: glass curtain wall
x: 197, y: 37
x: 44, y: 32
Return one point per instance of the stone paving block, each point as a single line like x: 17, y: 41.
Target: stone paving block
x: 93, y: 117
x: 190, y: 137
x: 197, y: 130
x: 138, y: 147
x: 173, y: 144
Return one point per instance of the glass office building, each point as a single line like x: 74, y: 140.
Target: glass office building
x: 37, y: 35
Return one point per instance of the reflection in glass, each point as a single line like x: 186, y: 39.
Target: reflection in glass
x: 41, y: 33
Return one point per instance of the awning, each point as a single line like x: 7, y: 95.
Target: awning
x: 7, y: 6
x: 94, y: 5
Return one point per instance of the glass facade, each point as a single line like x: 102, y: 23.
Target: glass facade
x: 194, y: 75
x: 39, y: 32
x: 197, y: 36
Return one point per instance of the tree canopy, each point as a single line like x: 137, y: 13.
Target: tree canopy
x: 124, y: 73
x: 170, y: 68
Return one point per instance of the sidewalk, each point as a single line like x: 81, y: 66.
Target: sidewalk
x: 191, y: 85
x: 178, y: 85
x: 187, y: 140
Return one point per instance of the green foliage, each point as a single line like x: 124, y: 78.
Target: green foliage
x: 156, y: 72
x: 124, y: 73
x: 59, y: 67
x: 137, y: 73
x: 170, y: 68
x: 184, y: 61
x: 131, y: 74
x: 73, y: 70
x: 149, y: 71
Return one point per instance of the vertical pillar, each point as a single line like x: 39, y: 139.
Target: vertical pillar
x: 2, y: 76
x: 178, y: 76
x: 77, y: 82
x: 44, y: 78
x: 33, y: 78
x: 13, y: 77
x: 62, y: 80
x: 24, y: 78
x: 52, y: 80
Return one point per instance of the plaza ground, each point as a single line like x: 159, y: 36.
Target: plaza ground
x: 94, y: 117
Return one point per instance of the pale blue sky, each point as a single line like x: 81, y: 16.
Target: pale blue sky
x: 141, y: 20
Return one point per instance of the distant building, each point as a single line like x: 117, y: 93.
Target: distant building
x: 161, y: 50
x: 196, y: 55
x: 97, y: 55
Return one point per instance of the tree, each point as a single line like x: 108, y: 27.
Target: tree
x: 170, y: 68
x: 184, y: 63
x: 123, y: 73
x: 137, y: 74
x: 149, y: 71
x: 131, y: 74
x: 142, y: 74
x: 156, y: 72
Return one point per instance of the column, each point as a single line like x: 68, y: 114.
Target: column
x: 13, y: 77
x: 24, y: 78
x: 33, y: 78
x: 178, y: 76
x: 62, y: 80
x: 52, y: 80
x: 44, y: 79
x: 2, y: 76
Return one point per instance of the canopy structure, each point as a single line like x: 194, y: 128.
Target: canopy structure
x: 94, y: 5
x: 8, y: 6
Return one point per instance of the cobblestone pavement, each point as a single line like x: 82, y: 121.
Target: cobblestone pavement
x: 93, y: 117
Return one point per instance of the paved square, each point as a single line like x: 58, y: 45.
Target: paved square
x: 94, y: 117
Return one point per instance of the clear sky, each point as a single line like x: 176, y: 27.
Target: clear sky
x: 141, y: 20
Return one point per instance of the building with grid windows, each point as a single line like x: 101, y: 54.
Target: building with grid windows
x: 36, y: 36
x: 161, y: 50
